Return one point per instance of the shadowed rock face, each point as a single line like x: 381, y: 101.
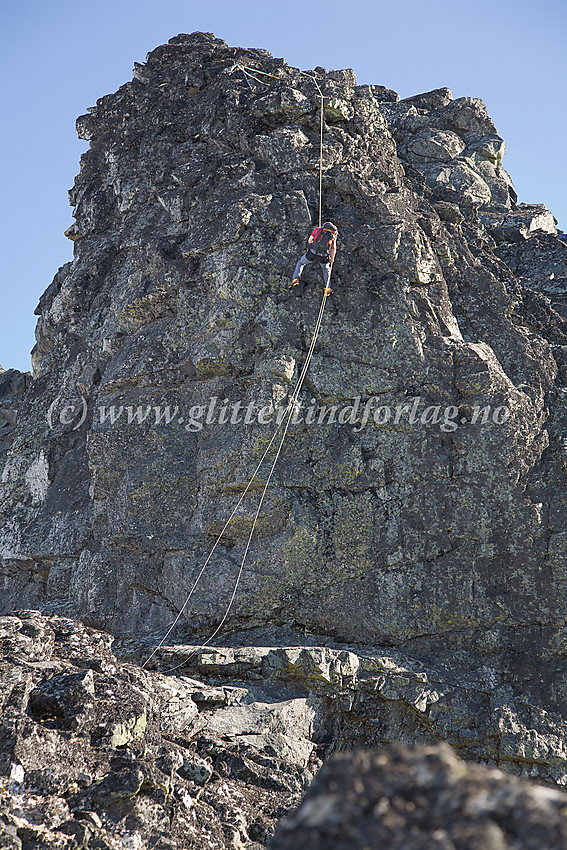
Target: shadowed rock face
x: 400, y: 523
x: 13, y: 386
x: 422, y: 798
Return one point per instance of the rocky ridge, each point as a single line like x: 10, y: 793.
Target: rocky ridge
x: 98, y: 752
x: 13, y: 386
x: 437, y: 545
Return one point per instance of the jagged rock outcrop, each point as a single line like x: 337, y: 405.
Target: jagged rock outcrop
x: 397, y: 522
x: 98, y: 752
x: 359, y: 696
x: 425, y: 799
x: 13, y: 386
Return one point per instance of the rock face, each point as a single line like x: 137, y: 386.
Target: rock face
x: 13, y: 387
x: 427, y: 799
x: 97, y: 752
x: 363, y: 697
x: 418, y: 509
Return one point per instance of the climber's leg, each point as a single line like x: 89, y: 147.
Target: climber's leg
x: 301, y: 263
x: 326, y: 269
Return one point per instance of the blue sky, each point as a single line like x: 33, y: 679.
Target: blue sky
x: 58, y: 56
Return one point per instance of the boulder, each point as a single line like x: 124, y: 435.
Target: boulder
x: 431, y: 100
x: 442, y: 145
x: 468, y: 115
x: 398, y: 798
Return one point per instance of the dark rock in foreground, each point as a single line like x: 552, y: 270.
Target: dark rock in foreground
x: 424, y: 798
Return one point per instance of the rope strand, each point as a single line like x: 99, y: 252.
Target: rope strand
x: 289, y: 418
x: 321, y: 164
x: 220, y: 536
x: 288, y: 413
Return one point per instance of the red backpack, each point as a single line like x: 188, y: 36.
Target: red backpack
x: 322, y: 242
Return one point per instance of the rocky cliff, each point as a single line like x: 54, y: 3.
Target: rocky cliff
x: 418, y: 510
x: 13, y: 387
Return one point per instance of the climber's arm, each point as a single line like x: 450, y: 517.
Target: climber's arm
x: 333, y: 251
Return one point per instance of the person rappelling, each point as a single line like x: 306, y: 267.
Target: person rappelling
x: 321, y: 248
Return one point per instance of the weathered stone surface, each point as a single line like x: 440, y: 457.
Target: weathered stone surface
x: 468, y: 115
x: 380, y: 93
x: 13, y: 386
x: 441, y: 145
x: 422, y: 798
x: 95, y: 753
x: 519, y: 225
x: 367, y: 696
x: 454, y: 145
x: 436, y: 99
x: 96, y: 750
x: 404, y: 520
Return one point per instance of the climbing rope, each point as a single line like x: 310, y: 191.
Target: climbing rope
x: 250, y: 72
x: 288, y: 414
x: 257, y: 71
x: 321, y: 163
x: 314, y: 79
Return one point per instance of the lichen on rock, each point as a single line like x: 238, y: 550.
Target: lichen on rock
x: 418, y: 503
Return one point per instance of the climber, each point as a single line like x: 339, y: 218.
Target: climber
x: 321, y: 248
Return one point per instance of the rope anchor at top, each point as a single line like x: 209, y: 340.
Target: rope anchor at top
x: 250, y: 72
